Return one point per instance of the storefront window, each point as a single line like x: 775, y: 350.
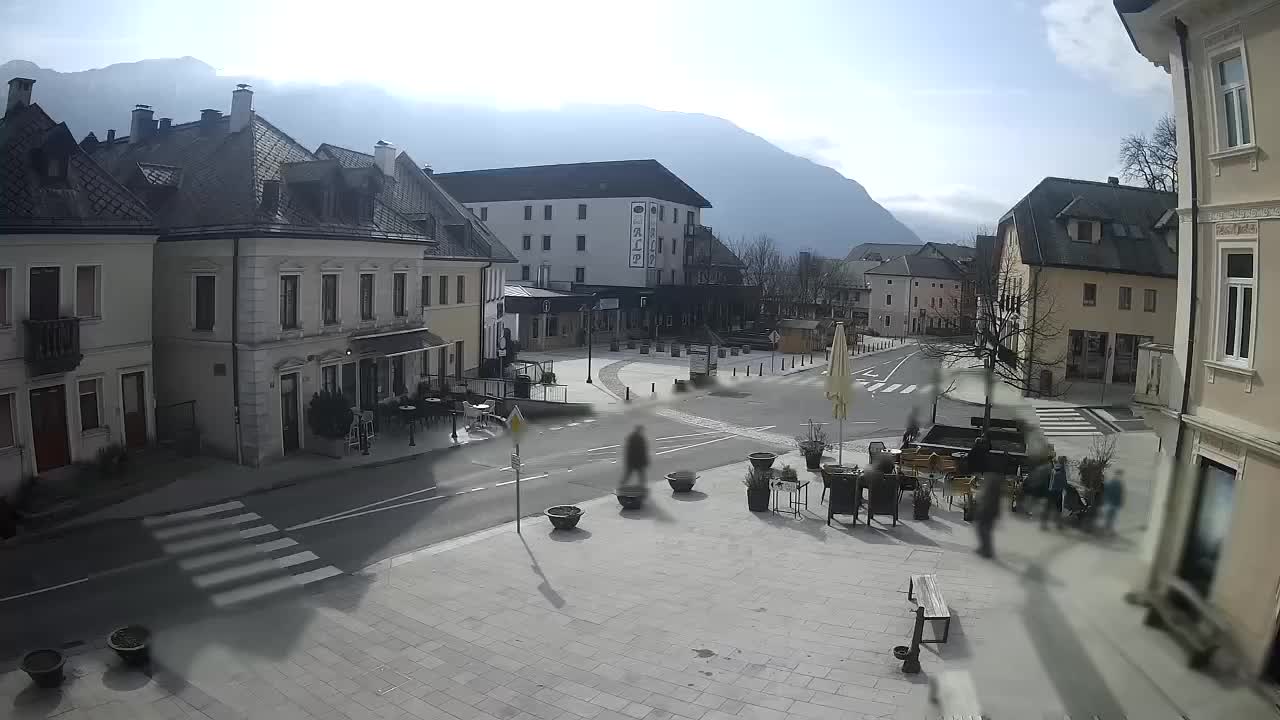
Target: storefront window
x: 1208, y: 531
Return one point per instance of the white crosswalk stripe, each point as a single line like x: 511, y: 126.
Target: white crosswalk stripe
x: 893, y: 388
x: 875, y: 387
x: 1065, y: 422
x: 235, y: 554
x: 908, y: 390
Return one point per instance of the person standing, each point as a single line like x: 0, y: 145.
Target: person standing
x: 986, y: 511
x: 635, y: 456
x: 1053, y: 498
x: 1112, y: 499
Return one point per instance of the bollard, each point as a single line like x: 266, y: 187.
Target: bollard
x: 748, y: 371
x: 735, y: 372
x: 653, y: 388
x: 761, y: 370
x: 628, y: 393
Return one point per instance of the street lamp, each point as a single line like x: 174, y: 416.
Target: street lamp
x: 591, y: 309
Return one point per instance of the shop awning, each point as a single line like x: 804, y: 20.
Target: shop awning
x: 396, y: 342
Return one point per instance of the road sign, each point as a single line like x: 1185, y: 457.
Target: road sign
x: 516, y: 424
x: 515, y: 461
x: 774, y: 336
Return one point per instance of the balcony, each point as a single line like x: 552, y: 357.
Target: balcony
x: 691, y: 231
x: 1156, y: 376
x: 52, y: 346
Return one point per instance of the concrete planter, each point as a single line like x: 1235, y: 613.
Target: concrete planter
x: 564, y: 517
x: 44, y: 667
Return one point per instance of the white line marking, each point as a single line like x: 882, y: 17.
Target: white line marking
x: 208, y: 541
x: 194, y: 528
x: 523, y: 479
x: 875, y: 387
x: 267, y: 587
x: 1071, y: 434
x: 349, y: 515
x: 893, y: 388
x: 895, y: 367
x: 190, y: 514
x: 863, y: 383
x: 908, y: 389
x: 261, y: 567
x: 239, y: 552
x: 606, y: 447
x: 686, y: 447
x: 45, y: 589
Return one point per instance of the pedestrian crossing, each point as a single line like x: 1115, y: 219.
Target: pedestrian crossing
x: 233, y: 554
x: 1065, y: 422
x: 872, y: 386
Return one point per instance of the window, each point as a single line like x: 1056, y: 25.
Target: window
x: 1237, y: 306
x: 582, y: 211
x: 1126, y: 298
x: 349, y: 382
x: 484, y: 214
x: 546, y: 212
x: 524, y: 272
x: 462, y: 289
x: 662, y: 212
x: 534, y: 326
x: 673, y: 276
x: 329, y: 299
x: 1148, y: 300
x: 1084, y: 231
x: 886, y: 321
x: 546, y: 242
x: 87, y: 291
x: 660, y: 243
x: 366, y: 296
x: 688, y: 218
x: 526, y: 242
x: 1233, y: 101
x: 7, y: 437
x: 888, y: 299
x: 888, y: 282
x: 1090, y: 294
x: 397, y: 375
x: 90, y: 404
x: 203, y: 290
x: 329, y: 378
x: 673, y: 245
x: 579, y: 274
x: 916, y: 301
x: 6, y: 282
x: 425, y: 292
x: 528, y: 214
x: 288, y: 302
x: 444, y: 290
x: 398, y: 303
x: 582, y: 243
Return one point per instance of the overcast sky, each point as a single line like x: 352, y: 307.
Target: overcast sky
x: 947, y: 110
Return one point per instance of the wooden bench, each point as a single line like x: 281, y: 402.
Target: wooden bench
x: 955, y: 695
x: 932, y: 602
x: 1178, y: 608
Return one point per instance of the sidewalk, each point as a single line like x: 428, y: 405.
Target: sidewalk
x: 969, y: 386
x: 691, y: 608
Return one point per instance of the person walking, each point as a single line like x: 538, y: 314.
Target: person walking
x: 1112, y: 499
x: 635, y: 456
x: 913, y: 429
x: 1036, y: 487
x: 987, y: 510
x: 1053, y: 498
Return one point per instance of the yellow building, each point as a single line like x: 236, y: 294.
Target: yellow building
x: 1208, y: 393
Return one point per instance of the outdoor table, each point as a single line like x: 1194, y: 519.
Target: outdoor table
x: 483, y: 409
x: 406, y: 413
x: 798, y: 495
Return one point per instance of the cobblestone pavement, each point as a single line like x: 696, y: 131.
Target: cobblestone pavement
x: 691, y: 608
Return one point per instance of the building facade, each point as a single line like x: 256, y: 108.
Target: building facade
x: 1208, y: 391
x: 916, y: 294
x: 282, y: 272
x: 76, y: 365
x: 1096, y: 268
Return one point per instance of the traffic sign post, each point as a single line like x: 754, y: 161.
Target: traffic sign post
x: 773, y: 347
x: 516, y: 425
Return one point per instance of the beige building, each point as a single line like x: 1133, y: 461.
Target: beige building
x: 1095, y: 265
x: 918, y: 294
x: 1209, y: 393
x: 75, y: 301
x: 281, y: 272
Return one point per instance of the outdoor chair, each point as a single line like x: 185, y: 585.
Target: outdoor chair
x: 367, y: 418
x: 958, y: 486
x: 353, y: 433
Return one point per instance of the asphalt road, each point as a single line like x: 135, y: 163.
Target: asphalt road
x: 72, y: 588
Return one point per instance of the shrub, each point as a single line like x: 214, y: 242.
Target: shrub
x: 814, y: 434
x: 329, y: 415
x: 756, y: 479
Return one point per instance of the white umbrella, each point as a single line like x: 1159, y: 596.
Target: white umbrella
x: 839, y: 389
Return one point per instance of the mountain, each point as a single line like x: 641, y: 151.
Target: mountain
x: 754, y: 186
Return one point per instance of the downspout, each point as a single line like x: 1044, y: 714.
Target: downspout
x: 235, y: 347
x: 1192, y: 166
x: 1031, y: 340
x: 484, y: 300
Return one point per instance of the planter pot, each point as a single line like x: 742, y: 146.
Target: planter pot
x: 44, y: 667
x: 675, y: 351
x: 758, y: 500
x: 613, y: 346
x: 721, y: 352
x: 733, y: 351
x: 631, y: 499
x: 564, y: 517
x: 681, y: 481
x: 644, y: 349
x: 662, y: 347
x: 746, y: 349
x: 762, y: 460
x: 631, y: 344
x: 132, y: 643
x: 813, y: 461
x: 919, y: 511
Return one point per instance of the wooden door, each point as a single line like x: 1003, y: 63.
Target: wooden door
x: 49, y: 427
x: 133, y: 393
x: 289, y: 411
x: 44, y: 292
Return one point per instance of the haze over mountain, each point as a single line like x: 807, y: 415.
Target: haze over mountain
x: 754, y: 186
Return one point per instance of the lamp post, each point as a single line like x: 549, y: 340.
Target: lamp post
x: 591, y: 309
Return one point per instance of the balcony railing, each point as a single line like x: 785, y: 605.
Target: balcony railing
x: 1156, y: 375
x: 691, y: 231
x: 52, y: 346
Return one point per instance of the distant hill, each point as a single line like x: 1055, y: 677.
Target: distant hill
x: 755, y: 186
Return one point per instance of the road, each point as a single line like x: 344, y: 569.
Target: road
x: 266, y: 545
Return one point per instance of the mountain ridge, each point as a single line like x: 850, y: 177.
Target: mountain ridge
x: 753, y: 185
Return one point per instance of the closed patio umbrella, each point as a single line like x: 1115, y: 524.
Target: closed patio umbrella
x: 839, y: 388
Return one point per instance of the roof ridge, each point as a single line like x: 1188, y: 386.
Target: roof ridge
x: 1105, y: 184
x: 551, y: 165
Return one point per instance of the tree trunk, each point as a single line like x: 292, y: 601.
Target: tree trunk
x: 989, y: 380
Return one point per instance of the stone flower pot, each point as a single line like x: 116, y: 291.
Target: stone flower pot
x: 681, y: 481
x: 758, y: 500
x: 613, y: 346
x: 812, y: 454
x: 44, y: 667
x: 564, y: 517
x: 762, y: 460
x: 132, y: 643
x: 631, y: 498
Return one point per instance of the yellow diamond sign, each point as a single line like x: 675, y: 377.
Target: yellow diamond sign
x: 516, y: 424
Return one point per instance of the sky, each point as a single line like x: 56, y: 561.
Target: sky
x: 947, y: 111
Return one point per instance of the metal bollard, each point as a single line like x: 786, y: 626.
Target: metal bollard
x: 748, y: 371
x: 653, y: 388
x: 628, y: 393
x: 761, y: 370
x: 735, y: 372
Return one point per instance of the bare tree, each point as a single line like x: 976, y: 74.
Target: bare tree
x: 761, y: 257
x: 1152, y: 160
x: 1015, y: 324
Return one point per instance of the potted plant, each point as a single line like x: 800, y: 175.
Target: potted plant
x: 813, y: 443
x: 564, y: 517
x: 613, y: 346
x: 631, y: 497
x: 44, y: 666
x: 1093, y: 470
x: 644, y: 348
x: 548, y: 378
x: 757, y: 484
x: 329, y: 416
x: 132, y: 643
x: 921, y: 501
x: 681, y: 481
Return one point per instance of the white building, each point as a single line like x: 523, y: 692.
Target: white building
x: 281, y: 272
x: 75, y: 300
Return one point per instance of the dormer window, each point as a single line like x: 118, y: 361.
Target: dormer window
x: 1084, y: 231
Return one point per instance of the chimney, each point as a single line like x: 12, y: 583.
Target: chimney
x: 111, y: 135
x: 165, y: 124
x: 1113, y: 180
x: 19, y: 94
x: 90, y: 141
x: 426, y: 170
x: 241, y: 107
x: 142, y: 125
x: 384, y: 157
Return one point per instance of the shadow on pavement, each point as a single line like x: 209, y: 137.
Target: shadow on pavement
x: 805, y: 523
x: 544, y: 587
x: 691, y: 496
x: 574, y: 535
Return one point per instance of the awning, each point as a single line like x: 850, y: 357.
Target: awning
x: 397, y: 342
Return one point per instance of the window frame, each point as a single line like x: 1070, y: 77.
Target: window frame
x: 6, y: 298
x: 582, y: 211
x: 424, y: 292
x: 526, y: 272
x: 1154, y: 296
x: 400, y: 295
x: 546, y: 243
x: 442, y: 295
x: 1081, y: 225
x: 1123, y: 302
x: 484, y: 214
x: 1215, y: 55
x: 1224, y: 285
x: 581, y: 243
x: 888, y: 300
x: 337, y: 299
x: 528, y: 212
x: 580, y: 274
x: 297, y: 300
x: 13, y: 421
x: 195, y: 302
x: 372, y: 315
x: 1086, y: 300
x: 97, y: 291
x: 526, y: 242
x: 336, y: 367
x: 546, y: 211
x: 96, y: 380
x: 462, y: 289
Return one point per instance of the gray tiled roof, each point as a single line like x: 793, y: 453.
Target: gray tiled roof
x: 915, y: 266
x: 706, y: 241
x: 161, y: 175
x: 885, y: 251
x: 613, y: 179
x: 89, y: 198
x: 1130, y: 242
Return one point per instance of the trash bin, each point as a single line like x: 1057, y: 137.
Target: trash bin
x: 523, y: 383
